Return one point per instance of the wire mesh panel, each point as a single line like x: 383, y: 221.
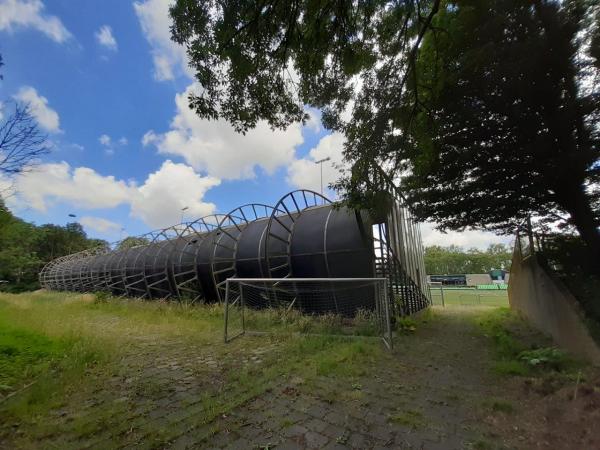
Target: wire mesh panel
x: 343, y: 306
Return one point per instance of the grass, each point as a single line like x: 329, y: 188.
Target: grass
x: 73, y: 346
x: 409, y: 418
x: 520, y: 350
x: 470, y: 297
x: 500, y: 405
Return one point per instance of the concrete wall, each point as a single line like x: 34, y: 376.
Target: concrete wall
x: 549, y: 306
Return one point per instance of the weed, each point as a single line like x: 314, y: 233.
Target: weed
x: 481, y: 445
x: 547, y: 358
x: 343, y: 439
x: 511, y: 367
x: 409, y: 418
x: 499, y: 405
x: 520, y: 350
x: 102, y: 297
x: 286, y: 423
x: 406, y: 325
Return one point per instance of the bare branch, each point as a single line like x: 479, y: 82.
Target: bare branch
x: 21, y: 141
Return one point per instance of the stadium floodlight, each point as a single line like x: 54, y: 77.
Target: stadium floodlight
x: 320, y: 163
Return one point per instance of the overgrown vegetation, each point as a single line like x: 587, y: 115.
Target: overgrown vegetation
x: 74, y: 345
x: 521, y: 351
x: 25, y: 248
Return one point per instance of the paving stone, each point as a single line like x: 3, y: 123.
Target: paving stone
x: 334, y: 445
x: 356, y: 440
x: 335, y: 418
x: 333, y: 431
x: 317, y: 410
x: 317, y: 425
x: 294, y: 430
x: 382, y: 433
x: 288, y: 444
x: 183, y: 442
x: 315, y: 440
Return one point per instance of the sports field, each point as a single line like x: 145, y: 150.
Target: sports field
x: 468, y: 297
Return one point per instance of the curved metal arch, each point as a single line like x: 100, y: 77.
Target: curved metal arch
x: 229, y: 233
x: 184, y: 266
x: 134, y: 272
x: 113, y: 273
x: 280, y: 229
x: 158, y: 266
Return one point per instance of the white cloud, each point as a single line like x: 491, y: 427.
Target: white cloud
x: 45, y: 116
x: 169, y: 58
x: 109, y: 145
x: 215, y: 147
x: 150, y: 137
x: 105, y: 38
x: 305, y: 174
x: 158, y: 201
x: 82, y: 187
x: 100, y: 225
x: 466, y: 239
x: 105, y: 140
x: 30, y: 14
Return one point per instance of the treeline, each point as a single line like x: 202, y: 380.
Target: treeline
x: 455, y: 260
x: 25, y: 248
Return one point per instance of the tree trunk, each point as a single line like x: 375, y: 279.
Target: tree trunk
x: 577, y: 204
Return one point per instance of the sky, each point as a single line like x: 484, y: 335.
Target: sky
x: 105, y: 82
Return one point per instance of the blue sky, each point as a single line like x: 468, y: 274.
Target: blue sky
x: 110, y: 88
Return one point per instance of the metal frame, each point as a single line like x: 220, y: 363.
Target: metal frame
x: 231, y: 228
x: 382, y: 306
x: 310, y: 199
x: 169, y: 265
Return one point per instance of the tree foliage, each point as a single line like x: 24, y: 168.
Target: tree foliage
x: 507, y: 125
x: 25, y: 248
x: 455, y: 260
x: 265, y: 60
x: 132, y: 241
x: 485, y: 111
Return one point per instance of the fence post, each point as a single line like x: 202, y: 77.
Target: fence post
x: 226, y: 307
x: 442, y: 291
x: 243, y: 307
x: 387, y: 318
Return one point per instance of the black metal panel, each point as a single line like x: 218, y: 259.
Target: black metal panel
x: 250, y: 257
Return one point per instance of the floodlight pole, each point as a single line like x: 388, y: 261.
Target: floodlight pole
x: 320, y: 163
x: 183, y: 210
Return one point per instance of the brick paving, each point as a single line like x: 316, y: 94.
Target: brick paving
x: 428, y: 394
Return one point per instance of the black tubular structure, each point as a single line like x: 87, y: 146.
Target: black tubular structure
x: 303, y: 236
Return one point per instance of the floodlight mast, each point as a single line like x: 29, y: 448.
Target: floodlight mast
x: 320, y: 163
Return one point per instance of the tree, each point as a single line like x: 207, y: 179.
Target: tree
x: 21, y: 141
x: 508, y: 124
x: 132, y: 241
x: 454, y: 260
x: 484, y: 110
x: 26, y: 248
